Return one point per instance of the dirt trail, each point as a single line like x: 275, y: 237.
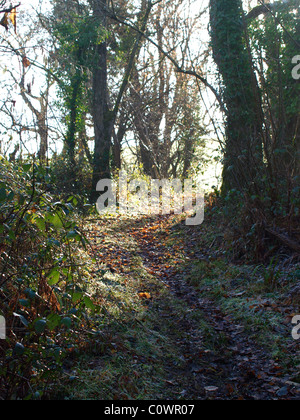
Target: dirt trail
x: 236, y: 368
x: 217, y: 358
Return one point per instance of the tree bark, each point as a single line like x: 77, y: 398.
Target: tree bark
x: 40, y: 115
x: 243, y: 155
x: 102, y: 117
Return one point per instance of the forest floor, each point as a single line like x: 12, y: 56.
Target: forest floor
x: 182, y: 322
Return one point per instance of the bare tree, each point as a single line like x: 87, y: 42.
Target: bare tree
x: 22, y: 51
x: 162, y: 98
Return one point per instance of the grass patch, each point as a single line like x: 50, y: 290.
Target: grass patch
x: 136, y: 349
x: 253, y: 298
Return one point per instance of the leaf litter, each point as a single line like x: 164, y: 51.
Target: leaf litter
x: 215, y: 354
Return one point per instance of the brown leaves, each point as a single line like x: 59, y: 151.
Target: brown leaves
x: 13, y: 18
x: 144, y: 295
x: 4, y: 21
x: 10, y: 17
x: 26, y: 63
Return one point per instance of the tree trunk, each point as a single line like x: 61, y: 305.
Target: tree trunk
x: 43, y: 133
x: 118, y: 139
x: 72, y: 128
x: 102, y: 117
x: 243, y: 155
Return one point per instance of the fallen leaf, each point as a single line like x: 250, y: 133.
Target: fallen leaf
x: 230, y: 389
x: 211, y: 388
x: 170, y: 383
x: 144, y: 295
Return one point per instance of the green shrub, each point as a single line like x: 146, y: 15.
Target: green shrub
x: 43, y: 283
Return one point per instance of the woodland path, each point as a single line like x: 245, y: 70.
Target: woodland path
x: 215, y: 357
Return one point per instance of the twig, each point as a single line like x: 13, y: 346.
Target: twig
x: 284, y: 239
x: 10, y: 9
x: 178, y: 68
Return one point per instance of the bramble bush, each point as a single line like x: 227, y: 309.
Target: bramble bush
x: 43, y: 282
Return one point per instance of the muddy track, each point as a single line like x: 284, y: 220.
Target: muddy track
x: 234, y: 367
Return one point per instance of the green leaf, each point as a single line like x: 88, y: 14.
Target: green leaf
x: 2, y: 194
x: 19, y: 349
x: 52, y: 241
x: 40, y: 223
x: 22, y: 319
x: 67, y: 322
x: 40, y: 326
x: 53, y: 321
x: 27, y: 167
x: 55, y: 220
x: 53, y: 277
x: 72, y: 234
x: 89, y: 303
x: 12, y: 235
x: 10, y: 196
x: 31, y: 294
x: 76, y: 297
x: 24, y: 302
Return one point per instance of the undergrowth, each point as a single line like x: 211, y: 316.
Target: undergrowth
x: 259, y: 290
x: 43, y: 282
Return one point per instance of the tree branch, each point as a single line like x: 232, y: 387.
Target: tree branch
x: 178, y: 68
x: 272, y: 8
x: 134, y: 53
x: 263, y: 9
x: 10, y: 9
